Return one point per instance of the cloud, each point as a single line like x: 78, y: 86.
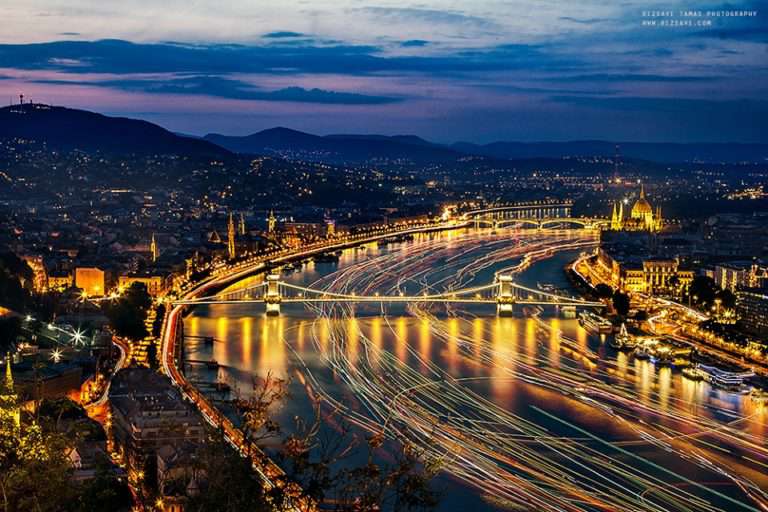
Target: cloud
x: 123, y: 57
x: 69, y: 33
x: 584, y: 21
x: 231, y: 89
x: 414, y: 43
x: 430, y: 16
x: 281, y: 34
x: 605, y: 77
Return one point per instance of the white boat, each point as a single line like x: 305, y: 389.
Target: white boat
x: 595, y: 323
x: 623, y: 341
x: 730, y: 380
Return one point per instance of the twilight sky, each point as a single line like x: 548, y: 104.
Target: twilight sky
x: 475, y: 70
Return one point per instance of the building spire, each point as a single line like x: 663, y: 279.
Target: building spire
x: 153, y: 248
x: 8, y: 373
x: 642, y: 191
x: 231, y: 237
x: 242, y: 224
x: 271, y: 222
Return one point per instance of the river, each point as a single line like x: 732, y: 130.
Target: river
x: 526, y: 413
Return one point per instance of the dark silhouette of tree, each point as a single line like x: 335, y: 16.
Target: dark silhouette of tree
x: 128, y: 314
x: 10, y: 329
x: 226, y: 479
x: 604, y: 291
x: 621, y: 303
x: 703, y: 291
x: 316, y: 461
x: 152, y: 355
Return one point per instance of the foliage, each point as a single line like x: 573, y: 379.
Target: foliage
x: 157, y: 325
x: 152, y: 355
x: 317, y: 461
x: 621, y: 303
x: 104, y: 492
x: 36, y: 452
x: 128, y: 314
x: 28, y: 457
x: 10, y: 329
x: 16, y: 282
x: 229, y: 483
x: 704, y: 292
x: 604, y: 291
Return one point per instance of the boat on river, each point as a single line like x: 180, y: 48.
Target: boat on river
x: 595, y: 323
x: 623, y: 340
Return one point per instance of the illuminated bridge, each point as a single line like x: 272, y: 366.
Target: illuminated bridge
x: 504, y: 293
x: 539, y: 216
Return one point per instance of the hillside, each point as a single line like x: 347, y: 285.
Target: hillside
x: 66, y: 128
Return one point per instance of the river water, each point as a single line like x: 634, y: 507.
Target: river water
x: 523, y: 413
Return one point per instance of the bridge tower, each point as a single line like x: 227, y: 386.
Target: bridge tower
x: 273, y: 298
x: 505, y: 297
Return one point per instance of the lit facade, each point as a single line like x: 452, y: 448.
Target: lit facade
x: 90, y: 280
x: 651, y: 275
x: 641, y: 217
x: 154, y: 284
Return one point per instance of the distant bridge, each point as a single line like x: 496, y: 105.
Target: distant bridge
x: 504, y: 293
x: 537, y: 215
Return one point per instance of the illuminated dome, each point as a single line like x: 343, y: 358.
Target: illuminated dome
x: 642, y: 207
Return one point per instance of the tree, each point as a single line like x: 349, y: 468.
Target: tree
x: 128, y: 314
x: 641, y: 316
x: 316, y: 465
x: 703, y: 291
x: 152, y: 355
x: 727, y: 299
x: 157, y: 325
x: 16, y: 282
x: 105, y: 492
x: 228, y: 482
x: 10, y: 329
x: 604, y: 291
x: 621, y: 303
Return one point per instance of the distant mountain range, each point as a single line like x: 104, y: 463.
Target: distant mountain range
x: 356, y: 148
x: 66, y: 128
x: 337, y: 148
x: 651, y: 151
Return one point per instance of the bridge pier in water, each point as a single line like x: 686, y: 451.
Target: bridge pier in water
x: 273, y: 297
x: 505, y: 298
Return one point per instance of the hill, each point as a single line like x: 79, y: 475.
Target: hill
x: 337, y: 148
x: 67, y: 128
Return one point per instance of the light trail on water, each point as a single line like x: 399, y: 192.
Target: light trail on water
x: 530, y: 458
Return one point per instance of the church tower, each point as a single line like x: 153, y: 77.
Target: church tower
x: 9, y: 403
x: 271, y: 222
x: 153, y: 248
x: 231, y: 237
x: 615, y: 219
x: 241, y: 226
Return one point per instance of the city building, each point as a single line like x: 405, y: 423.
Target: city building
x: 739, y: 274
x: 644, y: 274
x: 40, y: 279
x: 90, y: 280
x: 37, y: 380
x: 154, y: 283
x: 59, y: 280
x: 752, y: 310
x: 641, y: 218
x: 149, y: 413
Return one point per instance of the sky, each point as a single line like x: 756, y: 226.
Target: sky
x: 472, y: 70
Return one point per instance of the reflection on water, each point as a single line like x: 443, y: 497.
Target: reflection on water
x: 494, y: 351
